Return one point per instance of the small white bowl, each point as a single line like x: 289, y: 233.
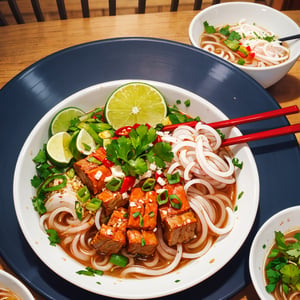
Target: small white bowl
x: 284, y: 221
x: 265, y: 16
x: 12, y: 283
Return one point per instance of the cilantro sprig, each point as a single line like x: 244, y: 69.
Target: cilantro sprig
x: 132, y: 153
x: 284, y: 264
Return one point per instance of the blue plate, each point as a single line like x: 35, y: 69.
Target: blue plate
x: 26, y: 98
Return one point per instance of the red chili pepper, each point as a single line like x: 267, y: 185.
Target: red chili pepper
x: 157, y: 140
x: 251, y: 55
x: 128, y: 183
x: 157, y: 175
x: 248, y: 48
x: 107, y: 162
x: 241, y: 54
x: 174, y: 126
x: 123, y: 131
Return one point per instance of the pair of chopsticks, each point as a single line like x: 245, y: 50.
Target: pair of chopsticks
x: 247, y: 119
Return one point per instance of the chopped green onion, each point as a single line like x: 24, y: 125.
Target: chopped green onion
x: 94, y: 160
x: 83, y: 194
x: 241, y: 62
x: 114, y: 184
x: 59, y: 186
x: 173, y: 178
x: 236, y: 162
x: 148, y: 184
x: 90, y: 272
x: 151, y: 214
x: 78, y: 210
x: 118, y: 260
x: 162, y: 198
x: 71, y: 173
x: 176, y: 204
x: 187, y: 103
x: 143, y: 242
x: 94, y: 204
x: 136, y: 214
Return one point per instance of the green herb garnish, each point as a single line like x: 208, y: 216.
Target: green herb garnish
x: 53, y: 237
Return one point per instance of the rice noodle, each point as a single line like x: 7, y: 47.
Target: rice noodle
x: 267, y: 49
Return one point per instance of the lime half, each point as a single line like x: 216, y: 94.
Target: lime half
x: 85, y: 143
x: 58, y: 149
x: 135, y: 102
x: 61, y: 121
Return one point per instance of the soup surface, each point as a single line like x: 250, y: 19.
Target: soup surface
x: 282, y: 269
x: 244, y: 44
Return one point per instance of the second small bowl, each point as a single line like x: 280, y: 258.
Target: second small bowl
x: 266, y: 17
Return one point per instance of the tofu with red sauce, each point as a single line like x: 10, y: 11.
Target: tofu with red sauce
x: 179, y: 228
x: 142, y: 209
x: 167, y: 209
x: 111, y: 201
x: 141, y: 242
x: 109, y: 239
x: 119, y: 219
x: 91, y: 173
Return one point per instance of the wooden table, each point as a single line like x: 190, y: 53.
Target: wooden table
x: 22, y: 45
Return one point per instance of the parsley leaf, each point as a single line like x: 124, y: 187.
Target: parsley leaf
x: 53, y: 237
x: 225, y: 30
x: 209, y: 28
x: 39, y: 205
x: 234, y: 36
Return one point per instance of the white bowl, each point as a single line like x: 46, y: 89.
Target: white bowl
x: 191, y: 274
x: 265, y: 16
x: 12, y: 283
x: 284, y: 221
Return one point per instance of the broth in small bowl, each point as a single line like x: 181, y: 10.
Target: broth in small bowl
x: 246, y: 34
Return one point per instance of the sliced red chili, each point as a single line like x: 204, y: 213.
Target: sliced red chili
x: 128, y: 183
x: 157, y: 140
x: 241, y: 54
x: 248, y: 48
x: 107, y: 163
x: 251, y: 55
x: 123, y: 131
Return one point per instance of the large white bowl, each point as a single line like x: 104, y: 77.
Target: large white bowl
x: 191, y: 274
x: 265, y: 16
x: 284, y: 221
x: 15, y: 285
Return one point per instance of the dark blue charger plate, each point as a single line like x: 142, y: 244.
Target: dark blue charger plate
x: 27, y: 97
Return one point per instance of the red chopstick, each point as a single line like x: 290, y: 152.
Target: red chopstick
x: 261, y: 135
x: 242, y: 120
x: 257, y: 117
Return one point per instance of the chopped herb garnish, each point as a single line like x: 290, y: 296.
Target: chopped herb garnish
x: 90, y: 272
x: 241, y: 62
x: 284, y: 265
x: 240, y: 195
x: 178, y: 102
x: 177, y: 280
x: 225, y: 30
x: 53, y: 237
x: 39, y: 204
x: 143, y: 242
x: 187, y: 103
x: 138, y: 214
x: 78, y: 210
x: 173, y: 178
x: 234, y: 36
x: 209, y: 28
x: 236, y: 162
x: 118, y: 260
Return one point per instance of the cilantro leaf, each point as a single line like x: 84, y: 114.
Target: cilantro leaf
x: 209, y: 28
x: 36, y: 181
x: 53, y: 237
x: 39, y: 205
x: 234, y: 36
x: 225, y: 30
x: 40, y: 157
x: 280, y: 241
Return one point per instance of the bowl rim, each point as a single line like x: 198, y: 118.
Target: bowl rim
x: 291, y: 59
x: 15, y: 285
x: 255, y: 280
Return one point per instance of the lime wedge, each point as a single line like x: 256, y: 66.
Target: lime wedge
x: 58, y: 149
x: 135, y: 102
x: 85, y: 143
x: 61, y: 121
x: 73, y: 146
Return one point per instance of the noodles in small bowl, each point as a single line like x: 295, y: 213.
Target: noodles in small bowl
x: 246, y: 34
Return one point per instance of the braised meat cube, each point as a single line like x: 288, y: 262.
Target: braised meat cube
x: 99, y: 154
x: 167, y: 209
x: 141, y: 242
x: 142, y: 209
x: 119, y: 219
x: 109, y: 239
x: 111, y: 201
x: 179, y: 228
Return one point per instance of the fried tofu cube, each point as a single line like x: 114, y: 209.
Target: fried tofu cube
x: 179, y: 228
x: 111, y: 201
x: 142, y: 209
x: 141, y: 242
x: 119, y: 219
x: 167, y: 210
x: 99, y: 154
x: 109, y: 239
